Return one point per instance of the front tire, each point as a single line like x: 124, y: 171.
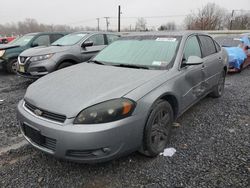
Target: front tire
x: 11, y: 66
x: 219, y: 89
x: 158, y: 129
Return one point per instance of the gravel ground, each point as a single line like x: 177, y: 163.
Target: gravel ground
x: 212, y: 143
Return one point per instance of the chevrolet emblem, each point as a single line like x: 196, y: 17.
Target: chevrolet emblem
x: 38, y: 112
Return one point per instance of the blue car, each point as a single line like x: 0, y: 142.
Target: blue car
x: 237, y: 49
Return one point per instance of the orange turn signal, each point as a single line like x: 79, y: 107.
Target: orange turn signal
x: 126, y: 107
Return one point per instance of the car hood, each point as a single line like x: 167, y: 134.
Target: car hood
x: 43, y: 50
x: 70, y: 90
x: 7, y: 46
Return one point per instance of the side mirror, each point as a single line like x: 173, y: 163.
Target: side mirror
x: 194, y: 60
x: 87, y: 44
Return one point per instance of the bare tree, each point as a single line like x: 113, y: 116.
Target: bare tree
x: 239, y: 22
x: 168, y: 26
x: 31, y: 25
x: 210, y: 17
x: 141, y: 24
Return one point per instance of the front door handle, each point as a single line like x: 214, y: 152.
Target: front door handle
x: 203, y: 67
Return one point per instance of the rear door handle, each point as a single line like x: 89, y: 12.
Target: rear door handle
x: 220, y: 59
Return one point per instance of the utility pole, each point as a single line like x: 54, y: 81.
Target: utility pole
x: 231, y: 21
x: 119, y: 18
x: 107, y: 22
x: 98, y: 24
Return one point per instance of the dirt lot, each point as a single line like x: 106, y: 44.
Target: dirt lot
x: 212, y: 143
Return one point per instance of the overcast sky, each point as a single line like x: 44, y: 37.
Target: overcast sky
x: 85, y: 12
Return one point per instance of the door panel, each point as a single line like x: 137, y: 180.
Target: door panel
x: 212, y: 60
x: 192, y: 77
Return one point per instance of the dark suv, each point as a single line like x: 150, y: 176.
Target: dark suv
x: 10, y: 52
x: 69, y: 50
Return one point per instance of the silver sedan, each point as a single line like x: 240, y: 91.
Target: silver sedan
x: 123, y: 100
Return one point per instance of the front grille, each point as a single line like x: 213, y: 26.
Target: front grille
x: 36, y: 137
x: 45, y: 114
x: 23, y: 59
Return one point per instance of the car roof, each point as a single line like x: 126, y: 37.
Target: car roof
x: 96, y: 32
x: 164, y: 33
x: 44, y: 33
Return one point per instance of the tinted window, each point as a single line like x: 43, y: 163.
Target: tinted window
x: 55, y: 37
x: 70, y: 39
x: 97, y: 39
x: 112, y: 38
x: 217, y: 46
x: 42, y: 40
x: 207, y: 45
x: 192, y: 48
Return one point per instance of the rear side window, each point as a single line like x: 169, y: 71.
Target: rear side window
x: 207, y: 45
x: 112, y: 38
x: 55, y: 37
x: 218, y: 48
x: 192, y: 48
x: 42, y: 40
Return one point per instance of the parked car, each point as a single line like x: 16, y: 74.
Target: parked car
x: 69, y: 50
x: 10, y: 52
x: 5, y: 40
x: 125, y: 99
x: 237, y: 49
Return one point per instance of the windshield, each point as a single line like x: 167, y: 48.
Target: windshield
x: 22, y: 41
x: 69, y: 40
x: 157, y: 52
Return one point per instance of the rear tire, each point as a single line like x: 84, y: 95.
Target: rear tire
x: 219, y: 89
x: 158, y: 129
x: 11, y: 66
x: 64, y: 65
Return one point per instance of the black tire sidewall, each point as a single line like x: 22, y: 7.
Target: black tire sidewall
x: 9, y: 64
x: 148, y: 128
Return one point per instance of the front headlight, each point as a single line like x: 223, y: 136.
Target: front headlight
x: 41, y: 57
x: 2, y: 52
x: 105, y: 112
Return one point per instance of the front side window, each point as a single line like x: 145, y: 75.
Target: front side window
x: 55, y: 37
x: 192, y: 48
x: 112, y: 38
x: 69, y: 40
x: 97, y: 39
x: 147, y: 52
x: 42, y: 41
x: 22, y: 41
x: 207, y: 45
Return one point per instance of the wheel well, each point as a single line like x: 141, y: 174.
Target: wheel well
x: 68, y: 61
x: 173, y: 102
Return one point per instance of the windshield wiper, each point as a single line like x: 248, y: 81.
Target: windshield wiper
x: 131, y: 66
x: 96, y: 62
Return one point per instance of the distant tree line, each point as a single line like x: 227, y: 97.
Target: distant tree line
x: 213, y: 17
x: 209, y: 17
x: 31, y: 25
